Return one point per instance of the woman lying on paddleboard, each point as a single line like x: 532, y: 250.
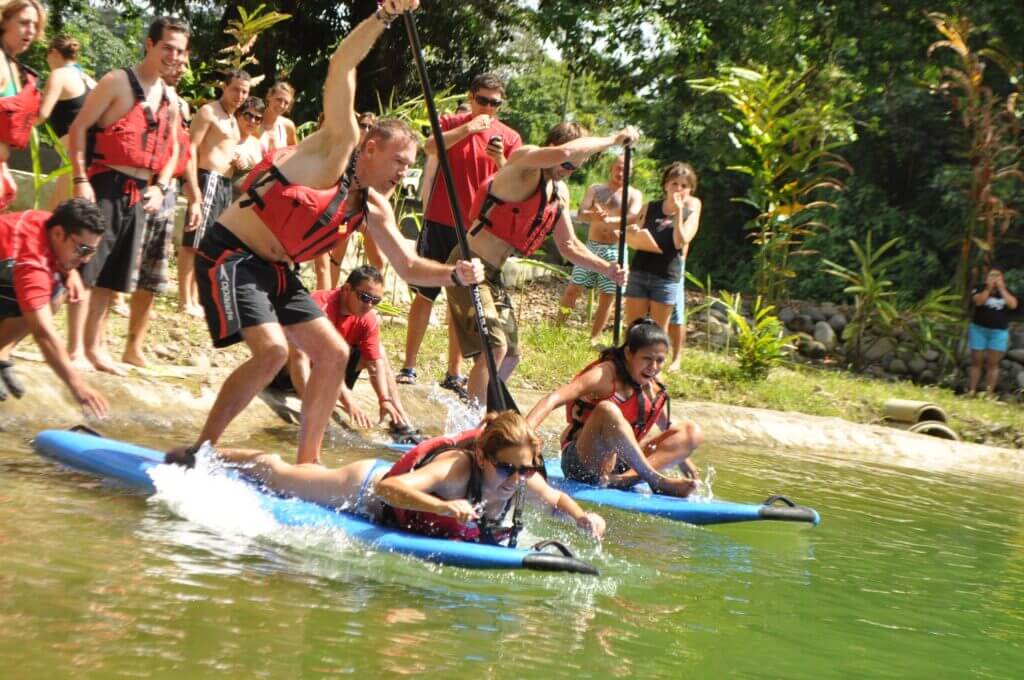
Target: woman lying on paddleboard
x: 619, y: 430
x: 460, y: 487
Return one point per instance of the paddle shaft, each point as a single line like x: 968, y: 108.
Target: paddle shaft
x: 622, y: 238
x: 460, y: 228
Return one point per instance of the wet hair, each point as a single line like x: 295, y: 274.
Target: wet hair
x: 236, y: 73
x: 642, y: 333
x: 364, y: 273
x: 66, y: 46
x: 487, y: 81
x: 681, y: 171
x: 282, y: 86
x: 563, y: 133
x: 77, y: 215
x: 387, y: 129
x: 367, y: 117
x: 254, y: 104
x: 161, y: 25
x: 505, y: 429
x: 14, y: 8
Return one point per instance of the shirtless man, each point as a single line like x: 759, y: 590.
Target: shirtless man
x: 215, y: 134
x: 296, y: 204
x: 519, y: 206
x: 134, y: 157
x: 601, y: 208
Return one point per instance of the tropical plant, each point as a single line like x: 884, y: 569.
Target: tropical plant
x: 245, y: 30
x: 789, y: 137
x: 44, y: 135
x: 760, y: 345
x: 702, y: 306
x: 994, y: 149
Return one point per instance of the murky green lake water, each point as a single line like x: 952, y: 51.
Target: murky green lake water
x: 910, y: 575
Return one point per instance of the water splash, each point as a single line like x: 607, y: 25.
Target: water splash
x: 704, y: 491
x: 459, y: 416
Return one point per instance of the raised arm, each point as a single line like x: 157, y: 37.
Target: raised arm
x: 576, y: 151
x: 457, y: 134
x: 686, y: 229
x: 598, y: 380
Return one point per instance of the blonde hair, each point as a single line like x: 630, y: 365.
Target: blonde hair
x: 14, y: 7
x: 506, y: 429
x: 282, y: 86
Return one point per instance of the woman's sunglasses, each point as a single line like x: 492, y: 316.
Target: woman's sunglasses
x: 525, y: 471
x: 367, y: 298
x: 252, y: 117
x: 487, y: 101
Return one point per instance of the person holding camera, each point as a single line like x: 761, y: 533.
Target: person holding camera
x: 478, y: 145
x: 988, y: 335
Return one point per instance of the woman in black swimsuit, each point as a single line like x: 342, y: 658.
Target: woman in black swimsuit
x: 63, y: 98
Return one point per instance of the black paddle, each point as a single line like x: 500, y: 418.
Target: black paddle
x: 622, y: 239
x: 498, y: 396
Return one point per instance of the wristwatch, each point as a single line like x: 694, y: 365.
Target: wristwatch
x: 162, y: 187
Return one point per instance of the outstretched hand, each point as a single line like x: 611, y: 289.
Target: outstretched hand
x: 592, y: 523
x: 400, y: 6
x: 627, y: 136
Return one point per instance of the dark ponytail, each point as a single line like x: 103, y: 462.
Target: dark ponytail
x: 644, y: 332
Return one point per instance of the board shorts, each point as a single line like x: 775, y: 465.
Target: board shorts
x: 609, y: 252
x: 217, y: 197
x: 156, y: 245
x: 239, y: 289
x: 679, y: 311
x: 652, y: 287
x: 9, y: 308
x: 115, y: 264
x: 502, y: 329
x: 982, y: 338
x: 574, y: 469
x: 435, y: 242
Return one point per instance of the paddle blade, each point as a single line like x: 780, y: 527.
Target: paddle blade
x: 499, y: 398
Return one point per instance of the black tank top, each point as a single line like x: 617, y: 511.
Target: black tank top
x: 668, y: 263
x: 64, y: 112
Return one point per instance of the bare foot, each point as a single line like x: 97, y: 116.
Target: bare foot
x: 673, y: 487
x: 81, y: 364
x: 104, y: 362
x: 134, y: 358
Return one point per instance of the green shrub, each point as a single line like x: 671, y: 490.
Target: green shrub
x: 759, y: 346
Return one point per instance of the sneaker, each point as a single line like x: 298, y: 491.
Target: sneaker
x: 406, y: 376
x: 457, y: 384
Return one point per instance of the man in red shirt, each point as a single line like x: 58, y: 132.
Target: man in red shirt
x: 478, y: 145
x: 350, y: 309
x: 40, y: 251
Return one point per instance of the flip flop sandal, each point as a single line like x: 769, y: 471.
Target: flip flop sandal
x: 11, y: 380
x: 457, y: 384
x: 406, y: 376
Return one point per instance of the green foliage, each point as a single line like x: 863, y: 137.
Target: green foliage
x: 760, y: 346
x: 244, y: 31
x: 789, y: 135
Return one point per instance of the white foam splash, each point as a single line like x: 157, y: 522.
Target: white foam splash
x: 459, y: 416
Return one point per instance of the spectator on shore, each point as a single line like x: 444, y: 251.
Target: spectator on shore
x: 278, y: 131
x: 988, y: 335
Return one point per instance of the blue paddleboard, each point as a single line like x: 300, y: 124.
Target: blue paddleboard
x: 693, y: 511
x: 130, y: 464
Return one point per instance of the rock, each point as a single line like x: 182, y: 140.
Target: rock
x: 816, y: 314
x: 1016, y: 355
x: 879, y: 348
x: 917, y: 365
x: 178, y: 334
x: 719, y: 315
x: 824, y: 334
x: 716, y: 327
x: 898, y: 367
x: 165, y: 352
x: 1006, y: 366
x: 802, y: 323
x: 829, y: 309
x: 877, y: 371
x: 1017, y: 339
x: 926, y: 376
x: 787, y: 314
x: 931, y: 355
x: 813, y: 349
x: 200, y: 361
x: 838, y: 322
x: 1020, y: 380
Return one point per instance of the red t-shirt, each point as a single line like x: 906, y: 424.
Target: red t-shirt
x: 358, y: 331
x: 25, y: 246
x: 470, y: 167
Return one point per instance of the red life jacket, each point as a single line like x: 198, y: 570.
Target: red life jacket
x: 635, y: 409
x: 184, y: 144
x: 440, y: 526
x: 524, y: 224
x: 306, y: 221
x: 18, y: 113
x: 140, y: 138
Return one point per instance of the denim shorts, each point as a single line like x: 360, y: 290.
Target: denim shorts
x: 679, y: 311
x: 980, y: 338
x: 652, y: 287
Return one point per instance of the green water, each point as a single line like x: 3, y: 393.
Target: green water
x: 910, y: 575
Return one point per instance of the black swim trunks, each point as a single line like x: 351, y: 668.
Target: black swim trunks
x: 435, y: 242
x: 283, y: 380
x: 574, y: 469
x: 238, y: 289
x: 115, y: 264
x: 216, y: 193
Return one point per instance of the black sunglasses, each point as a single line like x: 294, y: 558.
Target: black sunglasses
x: 487, y: 101
x: 367, y: 298
x: 365, y: 126
x: 568, y: 165
x: 252, y: 117
x: 83, y: 250
x: 525, y: 471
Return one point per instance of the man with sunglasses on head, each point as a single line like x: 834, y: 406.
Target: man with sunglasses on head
x: 349, y: 308
x: 214, y: 135
x: 40, y: 253
x: 478, y: 144
x: 514, y: 212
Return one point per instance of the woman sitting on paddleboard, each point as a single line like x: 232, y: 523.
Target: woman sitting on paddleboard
x: 460, y: 487
x: 619, y: 430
